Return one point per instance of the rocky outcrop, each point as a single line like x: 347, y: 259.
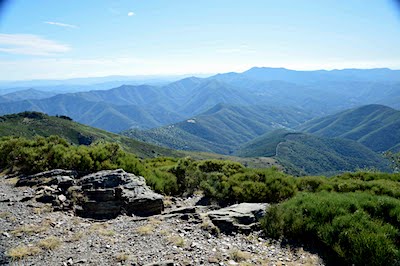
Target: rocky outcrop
x: 112, y: 192
x: 242, y: 218
x: 104, y: 194
x: 59, y: 177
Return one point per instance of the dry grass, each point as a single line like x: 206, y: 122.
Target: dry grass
x: 30, y: 229
x: 5, y: 215
x: 167, y: 202
x: 121, y: 257
x: 240, y: 256
x: 49, y: 243
x: 210, y: 227
x: 165, y: 232
x: 177, y: 241
x: 154, y: 221
x: 76, y: 236
x: 145, y: 230
x: 101, y: 229
x: 22, y: 251
x: 12, y: 181
x: 43, y: 209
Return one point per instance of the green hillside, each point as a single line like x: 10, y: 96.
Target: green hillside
x: 222, y: 128
x: 303, y: 153
x: 30, y: 124
x: 375, y: 126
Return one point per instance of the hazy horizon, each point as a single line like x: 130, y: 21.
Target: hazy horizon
x: 69, y: 39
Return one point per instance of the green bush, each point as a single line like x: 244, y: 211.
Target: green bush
x: 250, y: 185
x: 360, y: 228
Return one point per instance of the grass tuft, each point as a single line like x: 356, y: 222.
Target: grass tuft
x: 22, y: 251
x: 145, y: 230
x: 49, y: 243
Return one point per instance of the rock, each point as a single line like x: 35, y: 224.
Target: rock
x: 241, y: 217
x: 52, y: 177
x: 183, y: 210
x: 6, y: 234
x: 161, y: 263
x: 26, y: 198
x: 62, y: 198
x: 112, y: 192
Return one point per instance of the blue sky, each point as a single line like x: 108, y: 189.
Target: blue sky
x: 56, y: 39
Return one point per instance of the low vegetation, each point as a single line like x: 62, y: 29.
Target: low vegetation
x: 23, y: 251
x: 358, y: 227
x: 354, y: 216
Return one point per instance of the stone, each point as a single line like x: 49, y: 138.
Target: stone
x: 183, y: 210
x: 161, y: 263
x: 112, y: 192
x: 52, y: 177
x: 242, y: 218
x: 62, y: 198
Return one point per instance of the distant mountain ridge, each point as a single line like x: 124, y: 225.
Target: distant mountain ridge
x: 375, y: 126
x: 309, y: 76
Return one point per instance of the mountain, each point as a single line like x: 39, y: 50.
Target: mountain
x: 28, y: 94
x: 307, y: 77
x: 322, y: 91
x: 129, y: 106
x: 30, y: 124
x: 107, y: 116
x: 302, y: 153
x: 375, y: 126
x: 222, y: 128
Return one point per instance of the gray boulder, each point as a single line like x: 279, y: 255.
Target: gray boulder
x: 242, y: 218
x: 112, y: 192
x: 60, y: 177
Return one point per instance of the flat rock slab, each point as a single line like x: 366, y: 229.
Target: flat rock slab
x: 242, y: 218
x: 52, y: 177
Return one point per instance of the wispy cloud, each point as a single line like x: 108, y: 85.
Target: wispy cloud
x: 29, y: 44
x: 130, y: 14
x: 61, y: 24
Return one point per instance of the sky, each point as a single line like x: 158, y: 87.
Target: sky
x: 60, y: 39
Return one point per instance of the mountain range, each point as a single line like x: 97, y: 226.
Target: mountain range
x: 149, y: 106
x: 310, y: 121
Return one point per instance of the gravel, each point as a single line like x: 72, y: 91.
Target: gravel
x: 128, y: 240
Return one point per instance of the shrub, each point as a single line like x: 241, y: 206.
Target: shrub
x: 360, y: 228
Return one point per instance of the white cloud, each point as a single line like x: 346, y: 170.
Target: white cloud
x: 130, y: 14
x: 61, y: 24
x: 29, y: 44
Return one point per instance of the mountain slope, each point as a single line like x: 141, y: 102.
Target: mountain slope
x: 375, y: 126
x: 133, y: 106
x: 222, y: 128
x: 114, y: 118
x: 30, y: 124
x: 308, y: 154
x: 28, y: 94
